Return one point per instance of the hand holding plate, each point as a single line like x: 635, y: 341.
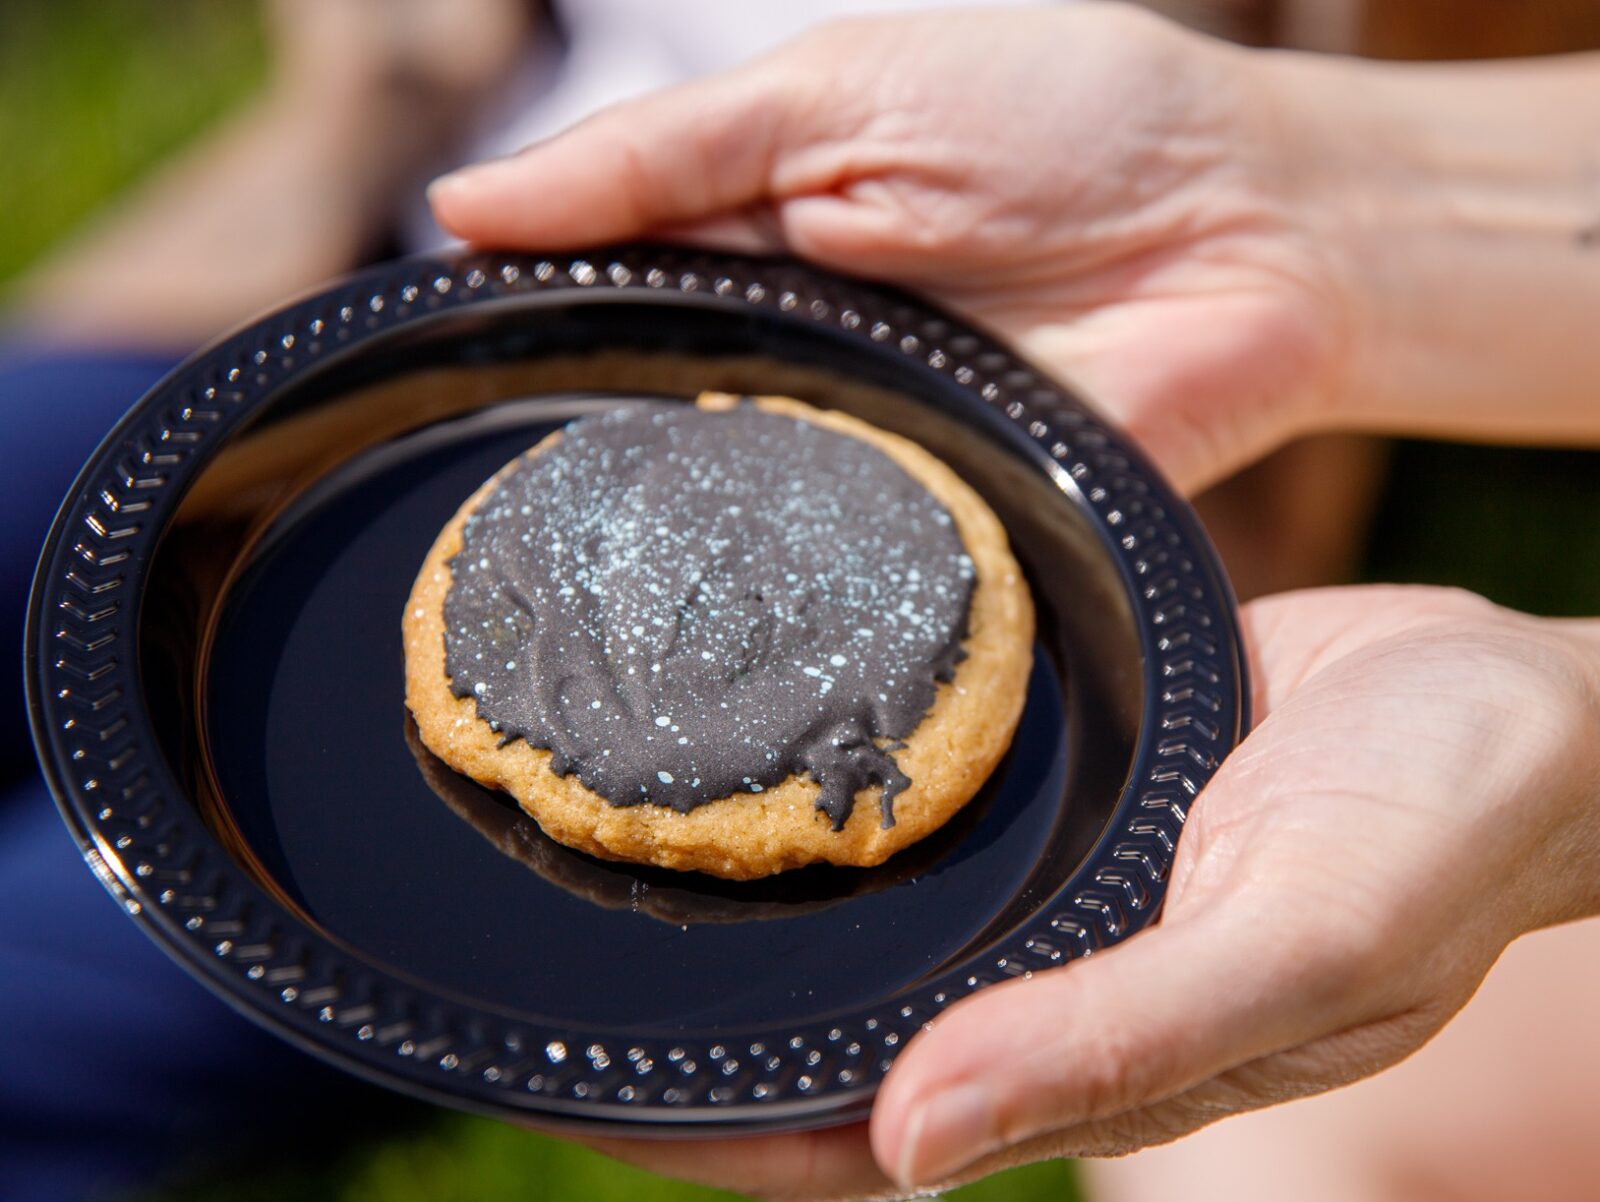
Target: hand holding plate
x: 1102, y: 188
x: 1421, y: 791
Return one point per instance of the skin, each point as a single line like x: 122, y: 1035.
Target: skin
x: 1226, y: 249
x: 363, y: 97
x: 1499, y: 1105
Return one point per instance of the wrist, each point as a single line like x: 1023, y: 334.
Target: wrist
x: 1463, y: 205
x: 1574, y: 846
x: 1542, y: 844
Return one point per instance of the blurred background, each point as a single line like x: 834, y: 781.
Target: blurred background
x: 315, y: 124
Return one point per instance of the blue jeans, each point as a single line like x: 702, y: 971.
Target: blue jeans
x: 115, y: 1067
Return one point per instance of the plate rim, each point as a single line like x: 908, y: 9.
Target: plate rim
x: 153, y: 853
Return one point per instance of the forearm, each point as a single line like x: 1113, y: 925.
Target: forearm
x: 1465, y: 201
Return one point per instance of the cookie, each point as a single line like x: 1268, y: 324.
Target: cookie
x: 835, y: 714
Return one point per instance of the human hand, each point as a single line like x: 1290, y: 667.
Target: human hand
x: 1421, y: 789
x: 1215, y: 247
x: 1221, y: 247
x: 1110, y: 192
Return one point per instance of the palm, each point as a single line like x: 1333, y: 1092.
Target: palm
x: 1242, y: 359
x: 1401, y: 726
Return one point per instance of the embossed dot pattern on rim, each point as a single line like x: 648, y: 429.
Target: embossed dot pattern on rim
x: 149, y: 846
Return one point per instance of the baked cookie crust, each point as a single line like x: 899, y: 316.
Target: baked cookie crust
x: 745, y: 836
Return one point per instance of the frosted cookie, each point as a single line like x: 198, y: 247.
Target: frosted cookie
x: 733, y: 638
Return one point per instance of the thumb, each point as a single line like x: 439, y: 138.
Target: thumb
x: 1215, y: 986
x: 700, y: 150
x: 1132, y: 1025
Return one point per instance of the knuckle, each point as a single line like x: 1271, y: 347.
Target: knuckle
x: 1447, y: 602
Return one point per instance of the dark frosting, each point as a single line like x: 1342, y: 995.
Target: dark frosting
x: 683, y: 604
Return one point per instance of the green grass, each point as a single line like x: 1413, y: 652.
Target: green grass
x: 92, y: 92
x: 441, y: 1157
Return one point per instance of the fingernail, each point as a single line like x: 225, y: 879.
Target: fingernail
x: 947, y: 1131
x: 448, y: 182
x: 451, y: 180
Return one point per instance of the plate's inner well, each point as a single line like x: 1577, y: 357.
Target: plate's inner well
x: 275, y: 669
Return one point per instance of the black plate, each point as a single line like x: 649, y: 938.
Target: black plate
x: 216, y: 680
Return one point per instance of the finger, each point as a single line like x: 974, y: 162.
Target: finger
x: 1299, y: 1073
x: 752, y: 231
x: 1282, y: 1077
x: 810, y: 1165
x: 691, y: 152
x: 1135, y: 1024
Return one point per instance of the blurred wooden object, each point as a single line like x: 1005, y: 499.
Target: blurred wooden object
x: 1251, y: 22
x: 1447, y: 29
x: 1327, y: 25
x: 1399, y: 29
x: 1331, y: 26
